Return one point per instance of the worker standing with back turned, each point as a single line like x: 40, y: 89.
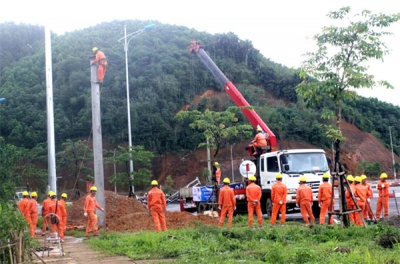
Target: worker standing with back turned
x: 157, y: 206
x: 34, y: 213
x: 304, y: 199
x: 324, y: 199
x: 383, y: 197
x: 101, y: 62
x: 24, y: 207
x: 226, y: 203
x: 253, y: 194
x: 90, y: 211
x: 278, y: 197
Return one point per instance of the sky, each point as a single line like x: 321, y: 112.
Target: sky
x: 280, y: 29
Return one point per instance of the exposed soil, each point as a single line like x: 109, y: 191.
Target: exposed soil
x: 128, y: 214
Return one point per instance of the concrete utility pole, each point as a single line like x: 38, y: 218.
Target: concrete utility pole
x: 51, y: 151
x: 97, y: 144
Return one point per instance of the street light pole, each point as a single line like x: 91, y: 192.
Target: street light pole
x: 127, y: 39
x: 391, y: 144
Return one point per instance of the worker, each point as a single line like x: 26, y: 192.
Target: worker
x: 349, y: 200
x: 278, y: 197
x: 34, y: 213
x: 57, y: 211
x: 304, y: 200
x: 45, y: 211
x: 216, y: 173
x: 226, y: 203
x: 259, y: 142
x: 24, y: 207
x: 361, y: 198
x: 101, y: 62
x: 89, y: 210
x: 253, y: 194
x: 325, y: 200
x: 383, y: 197
x: 63, y: 220
x: 367, y: 213
x: 157, y: 206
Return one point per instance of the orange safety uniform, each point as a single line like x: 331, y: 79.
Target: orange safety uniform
x: 45, y: 211
x: 324, y: 200
x: 278, y: 196
x: 90, y: 208
x: 304, y: 198
x: 367, y: 212
x: 34, y: 216
x: 24, y: 208
x: 63, y: 220
x: 102, y: 65
x: 227, y: 202
x: 218, y: 175
x: 157, y: 206
x: 361, y: 198
x: 383, y: 199
x: 350, y: 203
x: 259, y: 140
x: 253, y: 194
x: 59, y: 209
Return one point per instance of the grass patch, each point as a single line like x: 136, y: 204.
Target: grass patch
x: 289, y: 244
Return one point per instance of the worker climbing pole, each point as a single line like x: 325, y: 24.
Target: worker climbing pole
x: 101, y: 62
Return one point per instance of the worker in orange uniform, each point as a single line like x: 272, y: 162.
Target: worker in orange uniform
x: 278, y: 197
x: 101, y: 62
x: 367, y: 213
x: 24, y: 207
x: 45, y: 211
x: 349, y: 199
x: 89, y: 210
x: 324, y: 199
x: 253, y: 194
x: 259, y: 141
x: 63, y: 220
x: 304, y: 200
x: 383, y: 197
x: 157, y: 206
x: 34, y: 213
x: 216, y: 173
x: 361, y: 198
x: 58, y: 211
x: 226, y: 203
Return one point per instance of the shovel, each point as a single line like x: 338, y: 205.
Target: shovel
x: 370, y: 210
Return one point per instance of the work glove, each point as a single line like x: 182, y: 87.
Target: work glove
x: 280, y: 202
x: 368, y: 200
x: 383, y: 185
x: 320, y: 204
x: 102, y: 209
x: 219, y: 208
x: 255, y: 202
x: 297, y: 205
x: 85, y: 214
x: 234, y: 208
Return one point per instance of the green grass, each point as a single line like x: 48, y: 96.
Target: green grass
x: 289, y: 244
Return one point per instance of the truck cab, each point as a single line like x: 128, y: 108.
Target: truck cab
x: 292, y: 164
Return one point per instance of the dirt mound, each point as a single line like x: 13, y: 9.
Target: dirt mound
x: 128, y: 214
x: 393, y: 220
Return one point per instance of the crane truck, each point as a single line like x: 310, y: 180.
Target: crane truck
x: 292, y: 163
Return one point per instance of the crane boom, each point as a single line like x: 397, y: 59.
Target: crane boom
x: 234, y: 93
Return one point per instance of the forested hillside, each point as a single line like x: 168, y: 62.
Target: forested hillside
x: 163, y: 78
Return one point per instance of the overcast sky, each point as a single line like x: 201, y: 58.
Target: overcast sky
x: 278, y: 28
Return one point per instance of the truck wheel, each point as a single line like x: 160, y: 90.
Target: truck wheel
x: 201, y: 208
x: 316, y: 210
x: 268, y: 207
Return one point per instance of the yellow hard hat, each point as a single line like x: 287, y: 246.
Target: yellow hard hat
x: 226, y: 180
x: 363, y: 177
x: 259, y: 128
x: 64, y: 195
x: 93, y: 188
x: 216, y: 163
x: 252, y: 178
x: 33, y: 194
x: 25, y: 193
x: 383, y: 176
x: 303, y: 179
x: 326, y: 176
x: 350, y: 177
x: 278, y: 176
x: 154, y: 182
x: 94, y: 49
x: 357, y: 179
x: 50, y: 193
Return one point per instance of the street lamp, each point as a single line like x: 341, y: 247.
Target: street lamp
x: 127, y: 39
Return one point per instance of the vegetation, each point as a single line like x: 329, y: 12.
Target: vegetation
x: 290, y: 244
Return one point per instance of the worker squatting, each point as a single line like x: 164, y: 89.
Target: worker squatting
x: 360, y: 188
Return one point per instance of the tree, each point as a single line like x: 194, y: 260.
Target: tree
x: 217, y: 127
x: 9, y: 158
